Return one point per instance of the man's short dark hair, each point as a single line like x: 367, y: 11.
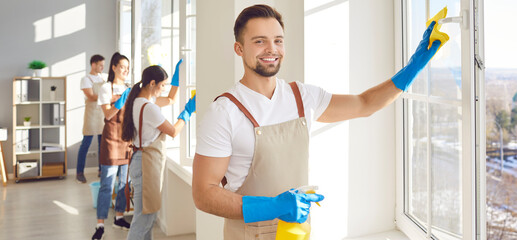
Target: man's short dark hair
x: 255, y: 11
x: 96, y: 58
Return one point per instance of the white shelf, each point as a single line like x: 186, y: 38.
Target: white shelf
x: 43, y: 113
x: 53, y: 102
x: 28, y: 102
x: 29, y: 152
x: 52, y: 126
x: 27, y: 127
x: 52, y: 151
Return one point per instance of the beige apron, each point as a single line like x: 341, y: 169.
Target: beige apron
x: 280, y: 162
x: 153, y: 169
x: 93, y: 117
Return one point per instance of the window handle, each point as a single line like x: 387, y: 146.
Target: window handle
x: 461, y: 19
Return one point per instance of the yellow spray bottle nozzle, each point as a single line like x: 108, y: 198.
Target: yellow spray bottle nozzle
x: 312, y: 192
x: 309, y: 190
x: 436, y: 34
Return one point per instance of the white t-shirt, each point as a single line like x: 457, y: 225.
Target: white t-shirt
x: 88, y: 80
x: 105, y: 92
x: 226, y: 131
x: 152, y: 118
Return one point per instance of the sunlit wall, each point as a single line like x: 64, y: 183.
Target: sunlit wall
x: 64, y: 34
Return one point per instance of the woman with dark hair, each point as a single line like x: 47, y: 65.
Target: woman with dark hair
x: 146, y: 127
x: 114, y: 152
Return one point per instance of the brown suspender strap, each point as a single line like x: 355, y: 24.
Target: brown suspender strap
x: 126, y: 189
x: 140, y: 120
x: 243, y: 110
x: 298, y: 97
x: 240, y: 106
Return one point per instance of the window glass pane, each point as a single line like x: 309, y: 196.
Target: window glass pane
x: 191, y: 151
x: 152, y: 52
x: 501, y: 119
x: 445, y: 132
x: 125, y: 14
x: 191, y: 72
x: 418, y: 140
x: 434, y: 126
x: 191, y: 41
x: 175, y: 58
x: 416, y: 16
x: 445, y: 67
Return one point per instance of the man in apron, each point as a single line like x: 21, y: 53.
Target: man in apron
x: 93, y: 117
x: 254, y: 139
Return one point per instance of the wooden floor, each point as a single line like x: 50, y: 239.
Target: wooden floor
x: 56, y: 209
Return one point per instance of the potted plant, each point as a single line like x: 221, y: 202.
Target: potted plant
x: 53, y: 93
x: 37, y: 65
x: 27, y: 121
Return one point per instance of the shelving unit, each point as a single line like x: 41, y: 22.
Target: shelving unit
x: 39, y: 150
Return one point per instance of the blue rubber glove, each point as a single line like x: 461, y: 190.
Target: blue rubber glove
x: 418, y: 61
x: 119, y: 104
x: 287, y: 206
x: 176, y: 77
x: 190, y: 107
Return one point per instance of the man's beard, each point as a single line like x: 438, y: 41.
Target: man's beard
x: 263, y: 71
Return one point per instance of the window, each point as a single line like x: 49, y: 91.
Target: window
x: 163, y: 32
x: 438, y: 126
x: 124, y: 31
x: 501, y: 113
x: 188, y: 51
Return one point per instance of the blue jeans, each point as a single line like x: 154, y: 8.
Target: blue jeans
x: 142, y: 224
x: 83, y: 150
x: 108, y: 176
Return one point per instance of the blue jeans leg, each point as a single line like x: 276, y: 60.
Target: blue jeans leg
x: 99, y: 137
x: 81, y: 155
x: 142, y: 224
x: 108, y: 176
x: 120, y: 204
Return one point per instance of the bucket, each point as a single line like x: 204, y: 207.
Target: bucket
x: 94, y: 188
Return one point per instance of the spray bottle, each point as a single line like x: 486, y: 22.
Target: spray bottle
x: 296, y: 231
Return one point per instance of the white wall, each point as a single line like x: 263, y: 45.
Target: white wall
x: 348, y: 49
x: 372, y: 140
x: 64, y: 34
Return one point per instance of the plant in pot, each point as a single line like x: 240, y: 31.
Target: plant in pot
x: 26, y: 121
x: 37, y: 65
x: 53, y: 93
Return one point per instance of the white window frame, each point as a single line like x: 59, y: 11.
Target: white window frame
x: 186, y: 50
x: 473, y: 134
x: 179, y: 51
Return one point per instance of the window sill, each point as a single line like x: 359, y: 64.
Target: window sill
x: 173, y: 164
x: 391, y: 235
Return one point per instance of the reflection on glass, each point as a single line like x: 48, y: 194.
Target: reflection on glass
x: 124, y: 30
x: 445, y: 67
x: 415, y: 29
x: 191, y: 128
x: 191, y: 41
x: 445, y: 135
x: 417, y: 127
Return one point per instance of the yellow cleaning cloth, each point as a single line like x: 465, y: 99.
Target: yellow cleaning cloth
x: 436, y: 34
